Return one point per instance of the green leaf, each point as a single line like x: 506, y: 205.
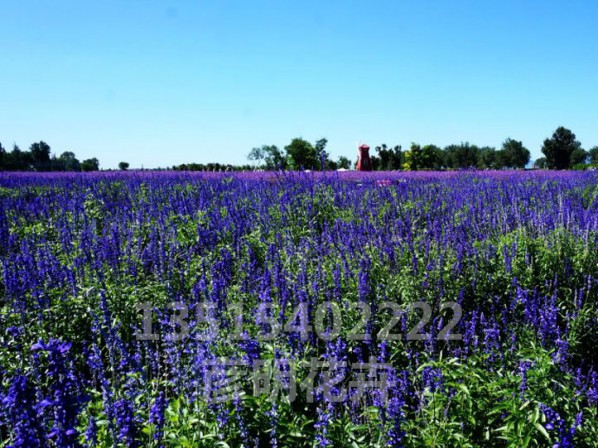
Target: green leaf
x: 542, y: 430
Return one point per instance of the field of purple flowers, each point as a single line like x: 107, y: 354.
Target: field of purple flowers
x: 299, y: 310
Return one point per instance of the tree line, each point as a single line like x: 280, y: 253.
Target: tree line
x: 301, y: 154
x: 211, y: 167
x: 561, y: 151
x: 39, y: 158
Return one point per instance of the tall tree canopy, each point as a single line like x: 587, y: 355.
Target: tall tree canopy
x: 40, y: 152
x: 514, y: 154
x: 90, y: 165
x: 302, y: 154
x: 559, y: 148
x: 69, y: 162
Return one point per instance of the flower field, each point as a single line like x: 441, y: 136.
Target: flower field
x: 159, y: 309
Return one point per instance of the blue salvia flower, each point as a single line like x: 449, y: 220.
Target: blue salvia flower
x: 272, y: 414
x: 156, y: 416
x: 432, y: 378
x: 324, y: 412
x: 65, y: 396
x: 524, y: 366
x: 22, y: 414
x: 125, y: 422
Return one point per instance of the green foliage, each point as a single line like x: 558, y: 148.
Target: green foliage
x: 389, y: 158
x: 40, y: 153
x: 427, y: 158
x: 302, y: 155
x: 39, y: 158
x: 69, y: 161
x: 343, y: 162
x: 559, y: 149
x: 463, y: 155
x: 268, y: 156
x: 90, y: 164
x: 514, y: 154
x: 579, y: 156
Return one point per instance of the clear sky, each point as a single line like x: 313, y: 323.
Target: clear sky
x: 157, y: 83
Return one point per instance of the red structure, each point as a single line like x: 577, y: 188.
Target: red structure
x: 364, y: 163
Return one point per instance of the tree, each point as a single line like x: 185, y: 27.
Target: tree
x: 55, y: 164
x: 302, y: 154
x: 331, y: 165
x: 541, y: 163
x: 90, y: 165
x: 123, y: 166
x: 69, y: 161
x: 40, y: 153
x: 321, y: 155
x: 2, y: 157
x: 579, y: 156
x: 18, y: 160
x: 343, y: 162
x: 462, y: 156
x: 268, y: 156
x: 275, y: 158
x: 413, y: 158
x: 390, y: 158
x: 431, y: 158
x: 514, y: 154
x: 256, y: 155
x: 593, y: 155
x: 559, y: 148
x: 489, y: 158
x: 376, y: 162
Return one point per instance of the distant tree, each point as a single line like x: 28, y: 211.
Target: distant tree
x: 390, y: 158
x: 579, y: 156
x: 55, y: 164
x: 463, y: 155
x: 376, y: 163
x: 331, y: 165
x: 384, y: 157
x: 190, y: 167
x: 268, y: 157
x: 275, y: 158
x: 593, y: 155
x: 514, y: 154
x: 90, y: 165
x: 256, y: 155
x: 18, y: 160
x: 432, y: 158
x: 559, y: 148
x: 429, y: 157
x: 344, y: 162
x: 69, y: 161
x: 2, y: 157
x: 413, y: 158
x: 489, y: 158
x: 40, y: 153
x: 123, y: 166
x: 541, y: 163
x: 501, y: 159
x: 321, y: 155
x: 211, y: 167
x: 302, y: 154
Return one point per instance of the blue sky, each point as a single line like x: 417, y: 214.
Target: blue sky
x: 158, y: 83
